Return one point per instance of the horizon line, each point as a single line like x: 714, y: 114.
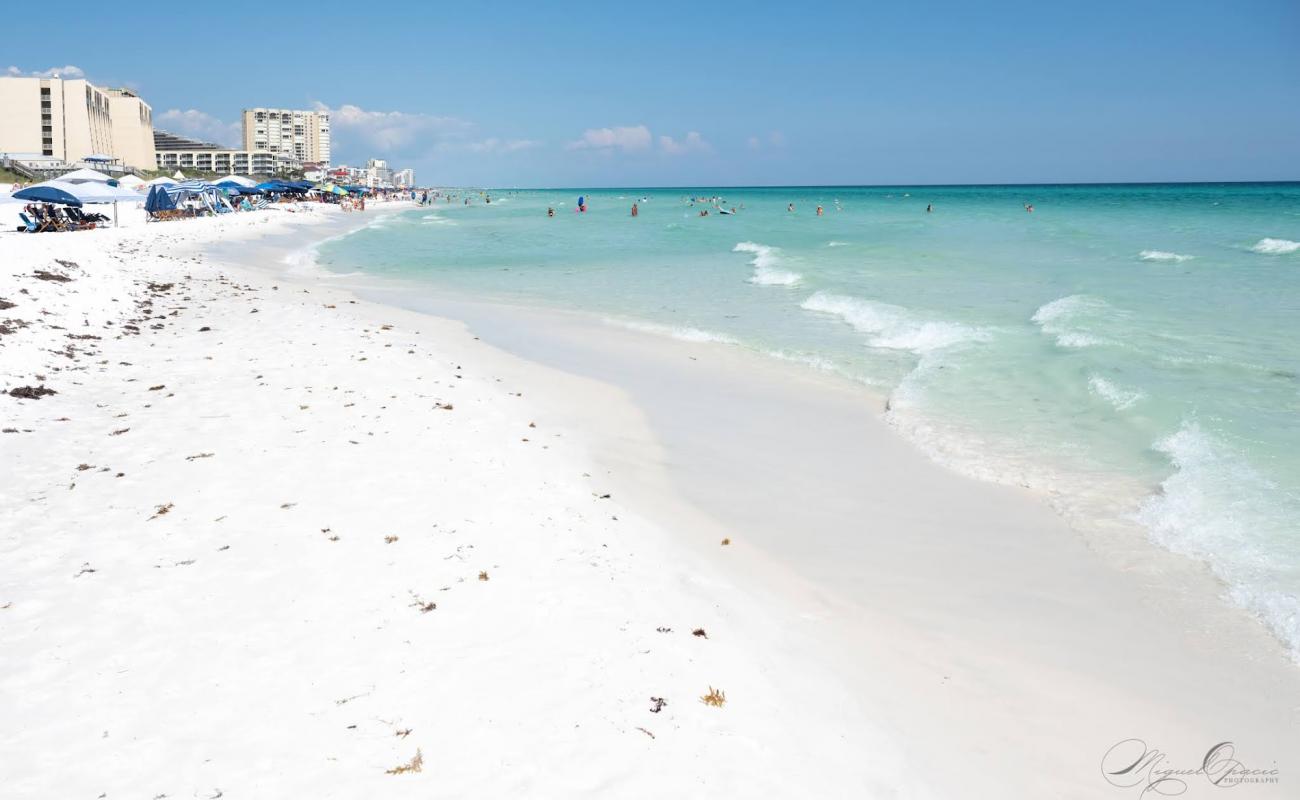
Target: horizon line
x: 590, y: 187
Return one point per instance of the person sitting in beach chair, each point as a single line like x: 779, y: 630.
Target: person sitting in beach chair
x: 82, y: 218
x: 67, y: 223
x: 47, y: 218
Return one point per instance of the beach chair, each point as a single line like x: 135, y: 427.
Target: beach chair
x: 49, y: 220
x: 29, y: 226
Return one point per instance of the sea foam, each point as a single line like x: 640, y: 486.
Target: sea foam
x: 893, y: 327
x: 685, y: 333
x: 1216, y: 507
x: 1112, y: 393
x: 1066, y: 318
x: 765, y: 261
x: 1163, y: 255
x: 1276, y: 247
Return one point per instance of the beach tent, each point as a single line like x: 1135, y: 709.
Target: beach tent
x: 130, y: 181
x: 237, y: 188
x: 164, y: 181
x: 180, y: 176
x: 236, y: 179
x: 44, y: 193
x: 158, y: 200
x: 84, y: 176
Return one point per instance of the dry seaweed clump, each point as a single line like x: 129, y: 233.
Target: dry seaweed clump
x: 715, y: 698
x: 416, y: 764
x: 31, y: 392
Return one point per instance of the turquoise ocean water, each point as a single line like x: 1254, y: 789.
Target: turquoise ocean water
x: 1133, y: 350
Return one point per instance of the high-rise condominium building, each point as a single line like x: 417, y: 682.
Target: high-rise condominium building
x: 303, y: 136
x: 71, y: 119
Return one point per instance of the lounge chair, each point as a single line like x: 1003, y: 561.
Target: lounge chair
x: 28, y: 225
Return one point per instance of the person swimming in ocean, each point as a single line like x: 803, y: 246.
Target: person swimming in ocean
x: 819, y: 211
x: 790, y: 207
x: 929, y: 207
x: 1029, y: 208
x: 550, y: 212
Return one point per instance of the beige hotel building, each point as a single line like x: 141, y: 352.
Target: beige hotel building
x: 303, y: 136
x: 71, y: 119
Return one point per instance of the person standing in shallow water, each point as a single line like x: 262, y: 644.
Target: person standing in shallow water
x: 819, y: 211
x: 790, y: 207
x: 634, y: 209
x: 929, y: 207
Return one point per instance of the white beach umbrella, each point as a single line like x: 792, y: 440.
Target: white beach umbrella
x: 163, y: 181
x: 180, y: 176
x: 239, y: 179
x: 93, y: 192
x: 131, y: 181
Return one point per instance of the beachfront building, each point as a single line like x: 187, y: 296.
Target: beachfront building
x: 132, y: 120
x: 378, y: 175
x: 177, y: 152
x: 404, y: 178
x: 70, y: 119
x: 303, y: 136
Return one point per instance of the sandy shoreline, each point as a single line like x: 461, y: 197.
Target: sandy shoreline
x: 922, y: 635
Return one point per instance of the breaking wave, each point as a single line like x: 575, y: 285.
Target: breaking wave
x: 893, y: 327
x: 1162, y: 255
x: 765, y: 261
x: 1276, y: 247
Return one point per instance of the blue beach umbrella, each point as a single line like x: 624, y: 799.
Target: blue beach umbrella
x: 159, y: 200
x: 47, y: 194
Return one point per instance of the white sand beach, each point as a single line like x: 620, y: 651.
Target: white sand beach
x: 274, y: 535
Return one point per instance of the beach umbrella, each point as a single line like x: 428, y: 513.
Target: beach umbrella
x: 131, y: 181
x: 159, y: 200
x: 180, y: 176
x: 163, y: 181
x: 91, y: 192
x: 44, y: 193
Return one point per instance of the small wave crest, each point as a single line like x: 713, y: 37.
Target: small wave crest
x: 685, y: 333
x: 1276, y: 247
x: 1112, y: 393
x: 893, y: 327
x: 765, y: 261
x: 1218, y: 508
x: 1067, y: 319
x: 837, y: 244
x: 1163, y: 255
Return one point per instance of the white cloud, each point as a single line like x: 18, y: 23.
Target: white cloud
x: 624, y: 138
x: 494, y: 145
x: 391, y: 132
x: 692, y: 143
x: 774, y: 139
x: 68, y: 71
x: 199, y: 125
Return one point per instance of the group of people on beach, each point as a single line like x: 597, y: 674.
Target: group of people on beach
x: 717, y: 203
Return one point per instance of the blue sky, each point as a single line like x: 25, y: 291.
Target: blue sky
x: 718, y: 93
